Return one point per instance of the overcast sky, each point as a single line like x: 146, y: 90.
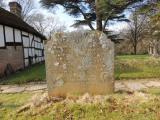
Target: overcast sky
x: 66, y: 19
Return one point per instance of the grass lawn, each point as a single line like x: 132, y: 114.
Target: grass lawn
x: 10, y: 102
x: 119, y: 106
x: 136, y: 67
x: 115, y: 107
x: 32, y: 74
x: 126, y: 67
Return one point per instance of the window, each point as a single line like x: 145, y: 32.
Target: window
x: 2, y: 42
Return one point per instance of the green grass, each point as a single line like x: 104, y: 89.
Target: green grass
x: 115, y: 108
x: 136, y: 67
x: 32, y: 74
x: 126, y: 67
x: 131, y: 57
x: 9, y: 103
x: 153, y: 91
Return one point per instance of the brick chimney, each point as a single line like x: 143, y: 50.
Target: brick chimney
x: 15, y: 8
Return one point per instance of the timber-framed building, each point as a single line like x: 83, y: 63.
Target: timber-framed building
x: 20, y: 44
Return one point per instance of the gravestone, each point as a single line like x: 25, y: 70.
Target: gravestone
x: 79, y: 63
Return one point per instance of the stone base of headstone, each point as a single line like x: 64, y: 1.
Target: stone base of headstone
x: 81, y: 88
x: 80, y: 63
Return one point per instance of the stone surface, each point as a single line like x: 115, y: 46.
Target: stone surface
x: 120, y: 86
x: 153, y: 84
x: 130, y: 85
x: 36, y: 87
x: 80, y: 63
x: 135, y: 86
x: 14, y: 90
x: 4, y: 87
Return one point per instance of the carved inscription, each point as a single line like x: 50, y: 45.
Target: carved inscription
x: 79, y: 61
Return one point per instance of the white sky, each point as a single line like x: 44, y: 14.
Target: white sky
x: 68, y: 20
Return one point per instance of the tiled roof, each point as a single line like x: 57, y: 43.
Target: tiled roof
x: 9, y: 19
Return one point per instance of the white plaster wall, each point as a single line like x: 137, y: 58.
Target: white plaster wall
x: 34, y: 60
x: 26, y: 52
x: 2, y: 43
x: 24, y: 33
x: 42, y: 46
x: 33, y: 44
x: 36, y: 45
x: 26, y: 62
x: 33, y: 51
x: 35, y: 38
x: 17, y: 35
x: 40, y: 53
x: 9, y: 34
x: 30, y: 52
x: 39, y: 60
x: 31, y: 38
x: 38, y: 39
x: 26, y: 42
x: 36, y: 52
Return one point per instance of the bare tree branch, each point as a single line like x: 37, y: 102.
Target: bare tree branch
x: 27, y: 7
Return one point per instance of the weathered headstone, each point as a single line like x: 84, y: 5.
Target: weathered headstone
x: 80, y: 63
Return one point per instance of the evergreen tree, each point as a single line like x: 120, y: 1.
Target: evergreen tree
x: 93, y: 11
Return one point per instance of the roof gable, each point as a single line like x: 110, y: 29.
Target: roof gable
x: 9, y: 19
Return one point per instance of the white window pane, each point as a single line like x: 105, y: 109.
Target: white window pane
x: 17, y: 35
x: 25, y: 41
x: 2, y: 43
x: 25, y: 52
x: 9, y: 34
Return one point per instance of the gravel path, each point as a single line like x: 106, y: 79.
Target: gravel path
x: 22, y: 88
x: 125, y: 85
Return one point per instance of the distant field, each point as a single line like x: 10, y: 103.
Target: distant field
x: 136, y: 66
x: 126, y: 67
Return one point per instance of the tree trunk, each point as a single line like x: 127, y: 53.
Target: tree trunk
x: 150, y: 50
x: 155, y: 48
x: 135, y: 49
x: 135, y: 46
x: 98, y: 16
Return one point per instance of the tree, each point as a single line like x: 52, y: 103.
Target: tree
x: 154, y: 41
x: 55, y: 25
x: 46, y: 25
x: 152, y: 7
x: 27, y: 8
x: 2, y: 4
x: 99, y: 11
x: 136, y: 29
x: 38, y: 22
